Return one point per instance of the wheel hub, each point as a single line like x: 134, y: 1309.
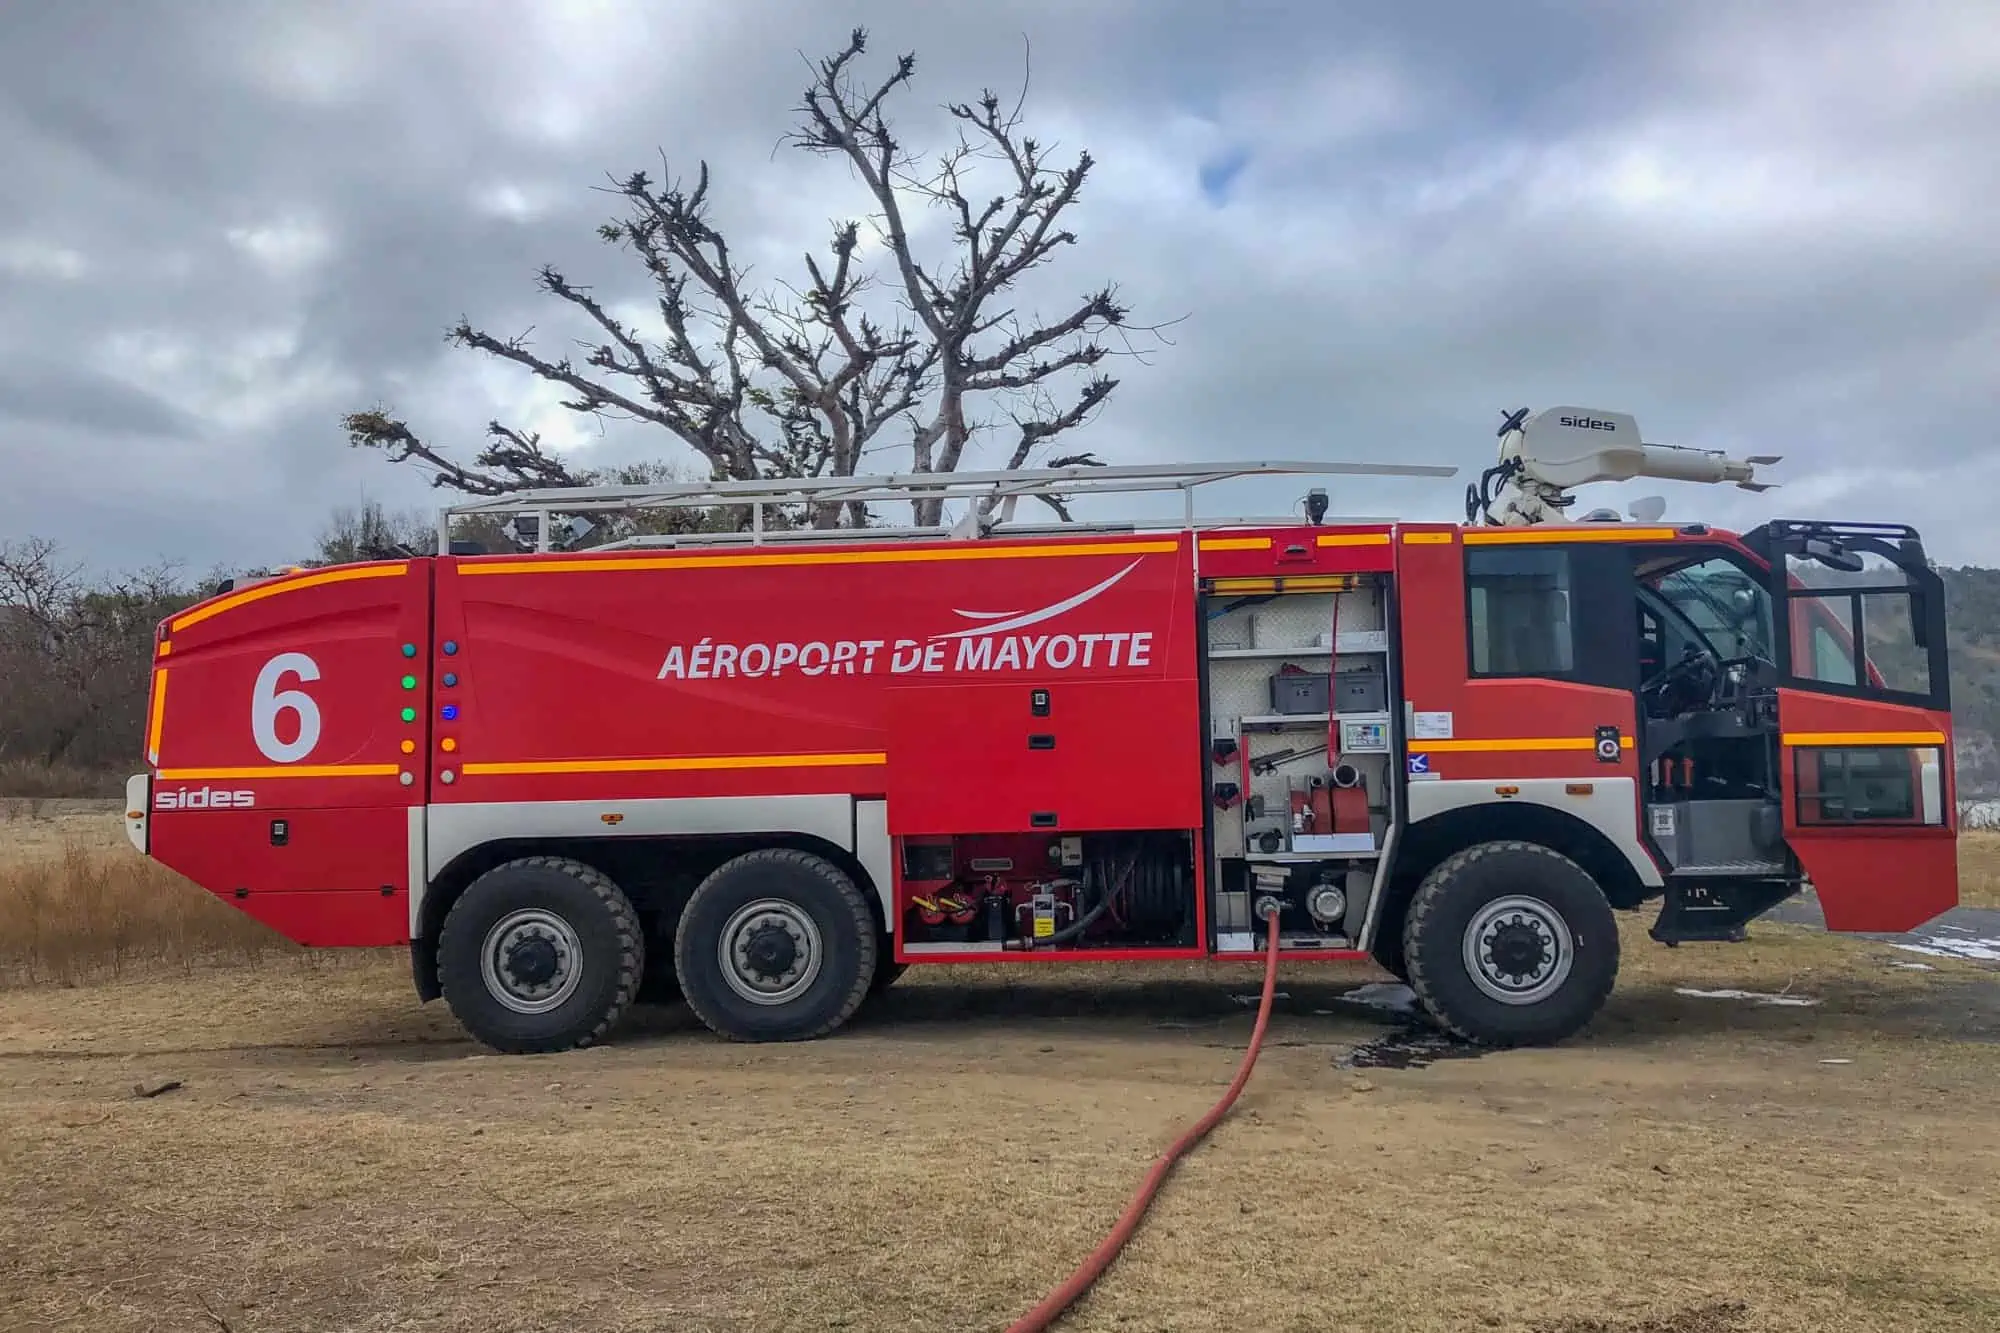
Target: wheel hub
x: 532, y: 961
x: 1518, y: 950
x: 770, y: 952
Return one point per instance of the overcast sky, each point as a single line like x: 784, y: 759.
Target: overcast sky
x: 1764, y: 227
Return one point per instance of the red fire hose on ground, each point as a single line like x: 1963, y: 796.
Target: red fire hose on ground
x: 1056, y: 1302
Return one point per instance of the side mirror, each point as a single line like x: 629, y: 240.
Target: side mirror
x: 1833, y: 555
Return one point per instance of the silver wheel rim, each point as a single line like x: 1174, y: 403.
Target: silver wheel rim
x: 756, y: 978
x: 1512, y: 916
x: 516, y: 946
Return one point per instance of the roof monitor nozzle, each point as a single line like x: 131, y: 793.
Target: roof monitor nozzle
x: 1316, y: 505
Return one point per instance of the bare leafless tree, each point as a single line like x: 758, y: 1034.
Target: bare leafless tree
x: 74, y: 654
x: 800, y: 379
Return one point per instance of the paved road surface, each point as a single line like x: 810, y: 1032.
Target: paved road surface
x: 1969, y: 933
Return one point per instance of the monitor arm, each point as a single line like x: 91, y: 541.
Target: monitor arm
x: 1545, y: 456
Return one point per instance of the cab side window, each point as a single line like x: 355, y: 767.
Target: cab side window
x: 1518, y: 600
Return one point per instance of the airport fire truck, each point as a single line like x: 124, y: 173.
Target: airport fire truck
x: 766, y: 771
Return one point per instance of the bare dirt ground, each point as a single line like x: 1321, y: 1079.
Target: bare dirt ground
x: 337, y: 1158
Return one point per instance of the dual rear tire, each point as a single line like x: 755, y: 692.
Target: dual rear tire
x: 546, y: 953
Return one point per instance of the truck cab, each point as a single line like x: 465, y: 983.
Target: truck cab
x: 1795, y: 703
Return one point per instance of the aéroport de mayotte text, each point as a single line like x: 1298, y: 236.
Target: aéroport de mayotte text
x: 709, y: 660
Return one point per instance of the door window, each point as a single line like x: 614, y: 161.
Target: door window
x: 1856, y: 628
x: 1518, y: 600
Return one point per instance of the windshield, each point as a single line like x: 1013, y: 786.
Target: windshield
x: 1730, y: 608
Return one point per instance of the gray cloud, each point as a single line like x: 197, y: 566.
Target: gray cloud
x: 1762, y: 227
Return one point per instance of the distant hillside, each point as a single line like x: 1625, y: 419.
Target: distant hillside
x: 1972, y: 615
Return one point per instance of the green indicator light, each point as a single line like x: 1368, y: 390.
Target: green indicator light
x: 409, y: 715
x: 409, y: 650
x: 409, y: 682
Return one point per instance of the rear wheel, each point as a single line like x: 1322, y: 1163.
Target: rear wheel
x: 540, y: 954
x: 776, y: 945
x: 1511, y: 944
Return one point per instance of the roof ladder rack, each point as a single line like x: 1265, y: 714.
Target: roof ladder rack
x: 1005, y: 488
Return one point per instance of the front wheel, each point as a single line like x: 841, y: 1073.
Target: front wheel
x: 776, y: 945
x: 1511, y: 944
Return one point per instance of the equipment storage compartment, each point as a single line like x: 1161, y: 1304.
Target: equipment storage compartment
x: 1104, y: 755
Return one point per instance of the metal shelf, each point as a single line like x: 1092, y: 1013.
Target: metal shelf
x: 1308, y: 858
x: 1309, y: 719
x: 1225, y: 654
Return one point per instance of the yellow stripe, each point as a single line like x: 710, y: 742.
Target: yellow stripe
x: 969, y: 551
x: 159, y: 715
x: 1236, y: 544
x: 1864, y: 738
x: 263, y: 590
x: 1519, y: 745
x: 1354, y: 539
x: 1305, y: 583
x: 1427, y: 538
x: 166, y: 646
x: 1520, y: 536
x: 281, y: 771
x: 678, y: 764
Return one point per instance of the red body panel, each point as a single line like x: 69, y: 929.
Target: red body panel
x: 1882, y: 877
x: 283, y: 702
x: 341, y: 877
x: 1120, y: 755
x: 774, y: 673
x: 1501, y: 729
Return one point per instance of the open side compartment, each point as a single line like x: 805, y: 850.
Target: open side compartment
x: 1298, y: 684
x: 1019, y: 896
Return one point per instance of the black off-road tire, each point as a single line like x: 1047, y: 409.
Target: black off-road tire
x: 809, y: 890
x: 1388, y: 950
x: 612, y: 949
x: 1449, y: 903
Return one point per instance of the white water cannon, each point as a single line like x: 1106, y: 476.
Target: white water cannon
x: 1544, y: 456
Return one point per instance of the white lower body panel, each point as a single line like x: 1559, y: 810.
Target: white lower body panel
x: 441, y: 834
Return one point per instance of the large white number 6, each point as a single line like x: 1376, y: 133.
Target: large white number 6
x: 266, y: 702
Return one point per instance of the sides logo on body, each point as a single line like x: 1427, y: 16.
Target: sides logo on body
x: 203, y: 798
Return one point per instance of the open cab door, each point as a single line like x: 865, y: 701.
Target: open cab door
x: 1864, y: 714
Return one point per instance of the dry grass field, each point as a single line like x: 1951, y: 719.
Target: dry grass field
x: 337, y: 1158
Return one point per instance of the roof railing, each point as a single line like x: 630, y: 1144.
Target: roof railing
x: 1002, y: 490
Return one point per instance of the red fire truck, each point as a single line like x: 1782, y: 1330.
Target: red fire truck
x: 769, y: 770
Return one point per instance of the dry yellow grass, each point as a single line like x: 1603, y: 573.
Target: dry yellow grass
x: 77, y: 902
x: 1979, y: 869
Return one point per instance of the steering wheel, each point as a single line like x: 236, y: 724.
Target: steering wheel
x: 1698, y: 668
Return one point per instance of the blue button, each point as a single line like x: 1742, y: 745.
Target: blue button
x: 409, y: 650
x: 451, y: 678
x: 450, y: 647
x: 448, y: 712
